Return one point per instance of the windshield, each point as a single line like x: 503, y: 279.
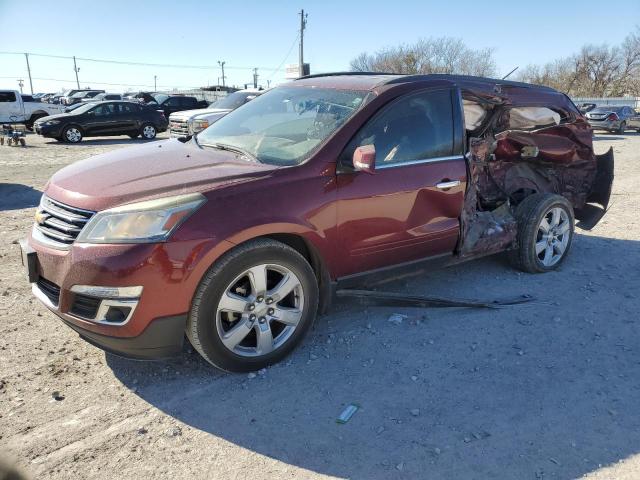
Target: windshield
x: 285, y: 125
x: 159, y: 98
x: 233, y: 101
x: 84, y: 107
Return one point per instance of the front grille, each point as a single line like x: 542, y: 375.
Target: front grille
x: 85, y: 306
x: 60, y: 224
x: 50, y: 289
x: 178, y: 127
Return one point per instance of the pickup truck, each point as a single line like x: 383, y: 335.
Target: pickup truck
x: 14, y: 109
x: 189, y: 122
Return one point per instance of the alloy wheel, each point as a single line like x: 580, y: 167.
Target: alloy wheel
x: 553, y: 236
x: 260, y: 310
x: 149, y: 132
x: 73, y: 135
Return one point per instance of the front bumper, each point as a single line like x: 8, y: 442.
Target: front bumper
x: 48, y: 131
x: 168, y: 272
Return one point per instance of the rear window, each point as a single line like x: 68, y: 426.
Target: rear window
x: 607, y: 109
x: 7, y: 97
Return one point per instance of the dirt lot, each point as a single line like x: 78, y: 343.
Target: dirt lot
x: 547, y: 390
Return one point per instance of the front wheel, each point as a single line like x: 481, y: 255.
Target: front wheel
x: 253, y: 306
x: 545, y: 232
x: 72, y: 134
x: 148, y: 132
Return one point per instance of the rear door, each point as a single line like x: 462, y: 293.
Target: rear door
x: 128, y: 118
x: 410, y: 207
x: 10, y: 107
x: 101, y: 120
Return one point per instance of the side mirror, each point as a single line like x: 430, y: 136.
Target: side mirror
x: 364, y: 159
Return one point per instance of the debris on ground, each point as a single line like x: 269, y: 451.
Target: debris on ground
x: 397, y: 318
x: 392, y: 299
x: 57, y: 396
x: 347, y: 413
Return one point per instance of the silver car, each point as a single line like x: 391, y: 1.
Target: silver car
x: 614, y: 119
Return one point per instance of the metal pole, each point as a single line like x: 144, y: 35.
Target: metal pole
x: 303, y: 24
x: 21, y: 83
x: 26, y: 55
x: 155, y: 86
x: 255, y: 78
x: 222, y: 66
x: 75, y: 69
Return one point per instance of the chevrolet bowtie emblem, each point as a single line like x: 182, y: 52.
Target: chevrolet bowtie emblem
x: 40, y: 217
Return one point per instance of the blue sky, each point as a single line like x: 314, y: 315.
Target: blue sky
x: 259, y: 34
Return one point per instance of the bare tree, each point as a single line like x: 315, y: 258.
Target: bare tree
x: 595, y: 71
x: 432, y: 55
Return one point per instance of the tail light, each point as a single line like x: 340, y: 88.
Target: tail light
x: 613, y: 117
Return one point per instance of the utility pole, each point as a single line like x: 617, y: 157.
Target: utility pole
x: 303, y: 25
x: 222, y: 66
x: 26, y: 55
x: 155, y: 85
x: 76, y: 69
x: 21, y: 83
x: 255, y: 78
x: 268, y: 83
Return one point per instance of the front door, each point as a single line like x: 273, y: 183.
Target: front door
x: 410, y: 207
x: 101, y: 120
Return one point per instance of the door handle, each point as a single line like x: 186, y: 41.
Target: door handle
x: 448, y: 184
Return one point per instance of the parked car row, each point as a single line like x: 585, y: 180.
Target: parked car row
x: 614, y: 119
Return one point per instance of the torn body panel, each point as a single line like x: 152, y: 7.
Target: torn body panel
x: 516, y: 151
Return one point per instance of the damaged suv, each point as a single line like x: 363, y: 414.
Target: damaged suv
x: 239, y: 236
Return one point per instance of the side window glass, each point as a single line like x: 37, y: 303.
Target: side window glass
x: 173, y: 102
x: 6, y: 97
x: 104, y: 110
x: 415, y: 127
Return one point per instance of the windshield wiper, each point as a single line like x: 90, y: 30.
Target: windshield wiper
x: 230, y: 148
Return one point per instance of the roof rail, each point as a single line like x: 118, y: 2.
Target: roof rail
x: 337, y: 74
x: 467, y: 78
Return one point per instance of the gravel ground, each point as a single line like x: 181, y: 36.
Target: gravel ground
x: 546, y: 390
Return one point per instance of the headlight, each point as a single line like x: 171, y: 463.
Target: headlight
x: 51, y: 122
x: 143, y: 222
x: 199, y: 125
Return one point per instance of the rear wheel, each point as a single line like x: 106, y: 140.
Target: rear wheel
x: 545, y: 232
x: 148, y: 131
x: 253, y: 306
x: 72, y: 134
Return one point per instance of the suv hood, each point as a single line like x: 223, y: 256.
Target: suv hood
x: 187, y: 114
x: 154, y: 170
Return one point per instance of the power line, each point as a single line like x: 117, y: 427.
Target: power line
x: 101, y: 83
x: 293, y: 44
x: 142, y: 64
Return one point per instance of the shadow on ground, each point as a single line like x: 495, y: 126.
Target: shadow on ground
x: 547, y: 390
x: 15, y: 196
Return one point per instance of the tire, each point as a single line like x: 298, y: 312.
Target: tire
x: 210, y: 326
x: 622, y: 128
x: 537, y: 251
x: 148, y: 131
x: 72, y: 134
x: 33, y: 119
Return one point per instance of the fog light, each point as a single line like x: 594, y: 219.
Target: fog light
x: 117, y: 314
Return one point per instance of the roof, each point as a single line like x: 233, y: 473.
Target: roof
x: 371, y: 80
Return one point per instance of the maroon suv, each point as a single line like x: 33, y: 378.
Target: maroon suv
x: 238, y: 236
